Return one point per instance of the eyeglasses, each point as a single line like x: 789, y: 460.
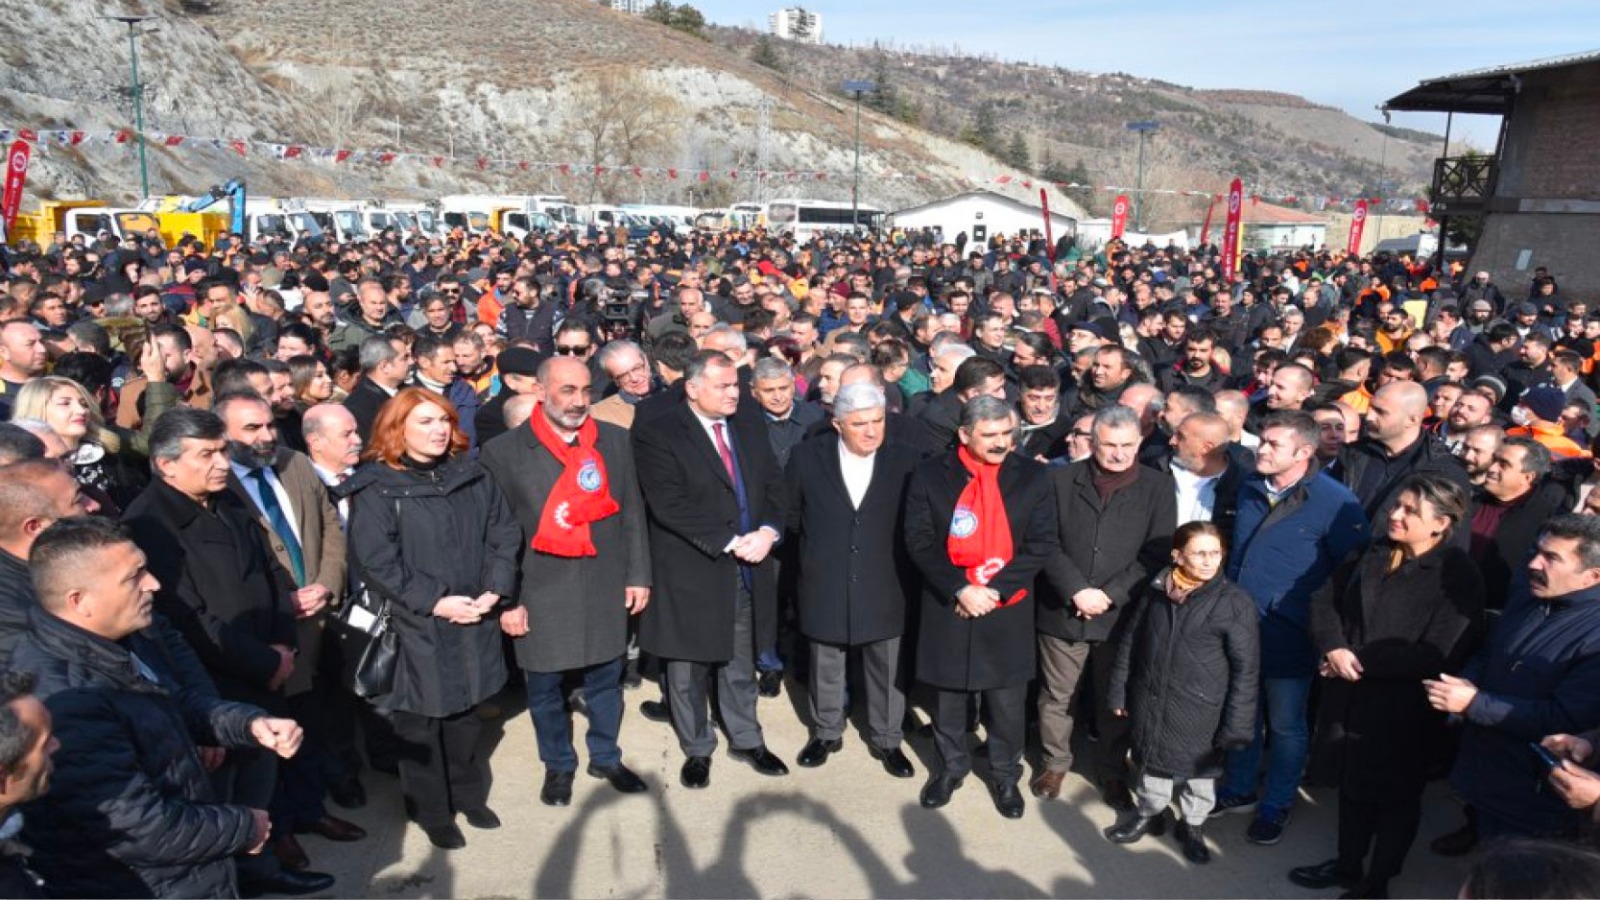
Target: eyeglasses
x: 570, y: 350
x: 450, y: 293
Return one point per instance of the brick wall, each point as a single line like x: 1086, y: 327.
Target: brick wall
x: 1552, y: 150
x: 1565, y: 244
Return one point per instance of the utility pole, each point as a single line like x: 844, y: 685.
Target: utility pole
x: 763, y: 129
x: 858, y: 88
x: 137, y: 92
x: 1142, y: 129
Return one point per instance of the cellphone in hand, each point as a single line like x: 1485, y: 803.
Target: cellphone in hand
x: 1550, y: 760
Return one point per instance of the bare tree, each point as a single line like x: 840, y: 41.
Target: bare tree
x: 621, y: 120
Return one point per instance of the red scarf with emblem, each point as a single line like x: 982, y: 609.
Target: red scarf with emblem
x: 581, y: 495
x: 980, y: 531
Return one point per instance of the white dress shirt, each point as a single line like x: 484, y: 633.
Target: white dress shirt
x: 252, y: 487
x: 1197, y: 495
x: 857, y: 472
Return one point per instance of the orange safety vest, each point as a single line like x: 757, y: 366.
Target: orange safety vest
x: 1553, y: 438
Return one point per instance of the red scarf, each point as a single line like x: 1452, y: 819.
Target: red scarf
x: 581, y: 495
x: 980, y: 531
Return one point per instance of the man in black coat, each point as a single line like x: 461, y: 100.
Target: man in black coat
x: 224, y: 591
x: 1516, y: 499
x: 33, y: 493
x: 976, y: 631
x: 1115, y: 519
x: 1394, y: 446
x: 846, y: 496
x: 131, y: 812
x: 715, y: 498
x: 385, y: 366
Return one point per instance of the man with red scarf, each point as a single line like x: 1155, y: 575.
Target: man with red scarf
x: 586, y: 568
x: 980, y: 524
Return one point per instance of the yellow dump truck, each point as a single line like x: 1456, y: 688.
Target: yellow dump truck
x: 91, y: 218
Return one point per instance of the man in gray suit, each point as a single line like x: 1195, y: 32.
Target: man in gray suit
x: 585, y: 569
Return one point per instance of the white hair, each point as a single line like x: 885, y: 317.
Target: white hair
x: 856, y: 397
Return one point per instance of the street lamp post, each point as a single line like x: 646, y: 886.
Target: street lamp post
x: 134, y: 34
x: 858, y: 88
x: 1142, y: 129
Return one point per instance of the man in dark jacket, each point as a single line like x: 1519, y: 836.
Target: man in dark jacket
x: 27, y: 743
x: 131, y: 812
x: 577, y: 594
x: 978, y: 526
x: 1115, y: 519
x: 715, y: 496
x: 1516, y: 499
x: 224, y: 591
x: 531, y: 316
x: 1295, y: 524
x: 385, y: 366
x: 1539, y: 675
x: 1394, y: 446
x: 33, y: 493
x: 845, y: 501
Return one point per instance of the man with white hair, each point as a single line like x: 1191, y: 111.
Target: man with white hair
x: 625, y: 364
x: 855, y: 578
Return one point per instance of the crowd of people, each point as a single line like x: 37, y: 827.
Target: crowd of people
x: 274, y: 518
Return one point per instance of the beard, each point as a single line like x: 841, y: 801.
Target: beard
x: 253, y: 456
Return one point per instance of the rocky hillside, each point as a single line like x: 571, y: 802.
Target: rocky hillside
x: 467, y: 92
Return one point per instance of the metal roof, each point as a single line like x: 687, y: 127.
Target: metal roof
x: 1487, y: 91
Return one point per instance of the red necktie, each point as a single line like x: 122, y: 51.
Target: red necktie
x: 724, y: 451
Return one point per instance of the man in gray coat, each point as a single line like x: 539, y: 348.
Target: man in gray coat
x: 585, y: 569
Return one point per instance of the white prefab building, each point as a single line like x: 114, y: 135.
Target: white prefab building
x: 796, y: 24
x: 983, y: 214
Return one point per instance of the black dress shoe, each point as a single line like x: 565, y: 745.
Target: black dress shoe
x: 1325, y: 875
x: 1367, y: 890
x: 348, y: 793
x: 655, y: 711
x: 1008, y: 800
x: 445, y: 837
x: 937, y: 791
x: 1134, y: 827
x: 557, y: 790
x: 481, y: 818
x: 816, y: 752
x: 285, y: 881
x: 769, y: 684
x: 1193, y: 840
x: 895, y: 762
x: 696, y: 772
x: 620, y: 777
x: 1457, y: 843
x: 761, y: 759
x: 1117, y: 796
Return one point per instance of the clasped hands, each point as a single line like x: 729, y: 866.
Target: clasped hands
x: 459, y: 610
x: 1090, y: 602
x: 976, y: 600
x: 752, y: 548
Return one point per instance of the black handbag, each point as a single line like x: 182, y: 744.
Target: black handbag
x: 374, y: 669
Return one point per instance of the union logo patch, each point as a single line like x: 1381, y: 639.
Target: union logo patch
x: 589, y: 476
x: 963, y: 523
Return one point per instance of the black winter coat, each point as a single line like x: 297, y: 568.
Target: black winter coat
x: 1512, y: 543
x: 16, y: 602
x: 1370, y: 473
x: 220, y: 586
x: 365, y: 401
x: 416, y: 537
x: 130, y: 812
x: 1115, y: 547
x: 1373, y: 735
x: 1187, y: 675
x: 693, y: 514
x: 855, y: 576
x: 996, y: 650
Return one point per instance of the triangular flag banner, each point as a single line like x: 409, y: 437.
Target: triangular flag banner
x: 599, y: 170
x: 638, y: 172
x: 438, y: 162
x: 240, y: 147
x: 704, y: 175
x: 340, y: 156
x: 293, y: 152
x: 385, y: 158
x: 1003, y: 179
x: 523, y: 165
x: 483, y: 163
x: 173, y: 140
x: 122, y: 137
x: 566, y: 168
x: 672, y: 174
x: 28, y: 134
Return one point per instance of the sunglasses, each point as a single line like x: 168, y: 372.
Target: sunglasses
x: 572, y: 351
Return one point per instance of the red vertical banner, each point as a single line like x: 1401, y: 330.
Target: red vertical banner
x: 16, y: 176
x: 1205, y: 230
x: 1119, y: 216
x: 1358, y: 223
x: 1230, y: 231
x: 1049, y: 235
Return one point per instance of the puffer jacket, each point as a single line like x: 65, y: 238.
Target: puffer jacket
x: 416, y: 537
x: 130, y: 812
x: 1187, y: 675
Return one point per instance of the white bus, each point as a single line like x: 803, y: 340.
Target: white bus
x: 805, y: 219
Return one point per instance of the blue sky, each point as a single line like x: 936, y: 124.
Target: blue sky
x: 1352, y: 54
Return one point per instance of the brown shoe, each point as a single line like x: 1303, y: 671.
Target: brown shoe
x: 334, y: 829
x: 1047, y: 785
x: 289, y: 852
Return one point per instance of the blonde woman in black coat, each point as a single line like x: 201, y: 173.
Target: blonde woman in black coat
x: 1403, y: 611
x: 1186, y: 676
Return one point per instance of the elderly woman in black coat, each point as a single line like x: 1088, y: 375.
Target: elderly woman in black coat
x: 431, y: 534
x: 1403, y: 611
x: 1186, y: 675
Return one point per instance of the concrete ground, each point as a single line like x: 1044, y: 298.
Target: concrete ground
x: 844, y: 830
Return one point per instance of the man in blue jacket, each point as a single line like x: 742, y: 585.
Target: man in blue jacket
x: 1539, y: 675
x: 1295, y: 524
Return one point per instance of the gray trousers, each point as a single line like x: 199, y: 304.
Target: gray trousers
x: 1061, y: 665
x: 886, y: 703
x: 1005, y: 715
x: 689, y: 692
x: 1196, y: 796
